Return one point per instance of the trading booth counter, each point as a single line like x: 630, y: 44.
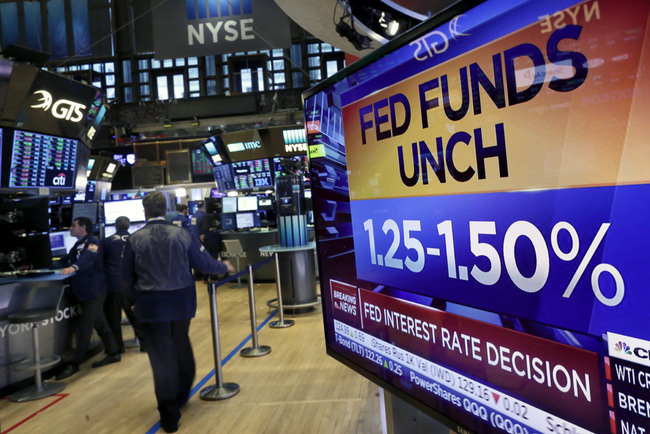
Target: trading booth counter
x: 251, y: 242
x: 21, y: 293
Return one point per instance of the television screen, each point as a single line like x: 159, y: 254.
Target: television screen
x: 202, y: 168
x: 252, y: 174
x: 247, y: 203
x: 482, y: 223
x: 128, y: 208
x: 228, y: 222
x: 247, y: 220
x: 85, y: 210
x: 228, y: 204
x: 223, y: 178
x: 61, y: 243
x: 40, y: 160
x: 278, y: 170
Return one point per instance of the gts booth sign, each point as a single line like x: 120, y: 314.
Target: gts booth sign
x: 217, y: 27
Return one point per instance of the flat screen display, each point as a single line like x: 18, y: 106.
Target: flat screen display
x: 482, y: 225
x: 200, y: 163
x: 247, y: 220
x: 88, y: 210
x: 132, y: 209
x: 228, y: 222
x: 223, y: 177
x: 252, y: 174
x: 61, y: 243
x: 228, y: 204
x: 109, y: 230
x: 40, y: 160
x: 247, y: 203
x: 278, y: 170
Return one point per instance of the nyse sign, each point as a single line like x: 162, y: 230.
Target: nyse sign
x: 230, y: 31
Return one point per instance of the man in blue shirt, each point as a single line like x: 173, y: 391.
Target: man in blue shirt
x: 181, y: 219
x: 115, y: 298
x: 197, y: 221
x: 85, y: 263
x: 157, y: 268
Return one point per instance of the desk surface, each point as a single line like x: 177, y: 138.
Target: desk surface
x: 12, y: 279
x: 277, y: 248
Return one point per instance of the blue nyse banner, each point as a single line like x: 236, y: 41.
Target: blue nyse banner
x: 185, y: 28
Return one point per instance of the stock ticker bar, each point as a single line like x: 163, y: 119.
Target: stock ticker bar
x: 39, y: 160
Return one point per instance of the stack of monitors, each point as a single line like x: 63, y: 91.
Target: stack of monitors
x: 252, y: 174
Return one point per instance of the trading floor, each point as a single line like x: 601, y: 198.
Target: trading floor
x: 296, y: 388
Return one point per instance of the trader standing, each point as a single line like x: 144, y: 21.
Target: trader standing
x: 196, y: 223
x: 115, y: 298
x: 89, y: 290
x: 181, y: 219
x: 156, y: 267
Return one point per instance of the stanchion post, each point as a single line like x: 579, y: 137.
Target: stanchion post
x: 256, y: 350
x: 282, y: 323
x: 221, y: 390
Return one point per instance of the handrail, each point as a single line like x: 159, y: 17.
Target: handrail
x: 241, y: 273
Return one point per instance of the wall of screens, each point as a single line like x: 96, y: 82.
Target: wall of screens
x: 481, y: 229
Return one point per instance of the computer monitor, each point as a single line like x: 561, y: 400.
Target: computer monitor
x: 247, y: 220
x: 61, y: 243
x: 109, y: 230
x: 215, y: 193
x: 228, y: 222
x: 228, y: 204
x: 247, y: 203
x: 132, y: 209
x: 265, y: 203
x: 85, y: 210
x: 252, y: 174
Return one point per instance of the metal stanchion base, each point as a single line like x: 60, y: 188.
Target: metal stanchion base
x: 32, y: 394
x: 132, y: 343
x: 282, y: 324
x: 214, y: 393
x: 260, y: 351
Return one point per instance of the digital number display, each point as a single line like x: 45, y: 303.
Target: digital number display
x: 252, y: 174
x: 39, y: 160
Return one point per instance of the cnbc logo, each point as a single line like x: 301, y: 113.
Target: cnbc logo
x: 221, y: 21
x: 622, y: 347
x: 628, y: 348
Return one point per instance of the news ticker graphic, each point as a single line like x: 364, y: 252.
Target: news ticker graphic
x: 478, y: 399
x: 570, y: 258
x: 557, y: 376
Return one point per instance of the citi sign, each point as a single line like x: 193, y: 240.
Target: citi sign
x: 59, y: 179
x: 228, y: 29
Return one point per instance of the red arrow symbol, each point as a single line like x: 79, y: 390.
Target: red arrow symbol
x: 496, y: 398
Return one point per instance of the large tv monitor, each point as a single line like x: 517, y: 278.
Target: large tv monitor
x: 223, y: 177
x: 482, y: 216
x: 202, y: 167
x: 39, y: 160
x: 132, y: 209
x: 247, y: 220
x: 247, y: 203
x: 228, y: 204
x: 279, y: 170
x: 252, y: 174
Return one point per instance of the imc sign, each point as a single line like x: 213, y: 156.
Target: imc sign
x: 217, y: 27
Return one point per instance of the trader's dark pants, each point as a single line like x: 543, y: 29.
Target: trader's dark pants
x: 113, y: 313
x: 92, y: 316
x: 127, y: 305
x: 172, y: 361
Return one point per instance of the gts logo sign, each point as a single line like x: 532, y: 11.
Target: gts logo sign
x: 62, y: 109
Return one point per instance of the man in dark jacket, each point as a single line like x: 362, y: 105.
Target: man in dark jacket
x: 196, y: 223
x: 115, y: 299
x: 157, y: 267
x: 85, y: 264
x: 181, y: 219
